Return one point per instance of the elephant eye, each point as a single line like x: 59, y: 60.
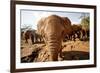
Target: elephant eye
x: 62, y: 32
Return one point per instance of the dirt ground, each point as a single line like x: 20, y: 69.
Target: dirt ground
x: 72, y: 50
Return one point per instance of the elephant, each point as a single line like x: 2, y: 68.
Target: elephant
x: 76, y: 31
x: 53, y: 29
x: 37, y: 38
x: 27, y: 35
x: 80, y: 32
x: 22, y: 35
x: 31, y: 34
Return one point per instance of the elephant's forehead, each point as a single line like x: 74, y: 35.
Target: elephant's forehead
x: 53, y: 28
x: 53, y: 24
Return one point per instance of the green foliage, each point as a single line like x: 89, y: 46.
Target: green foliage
x: 85, y: 22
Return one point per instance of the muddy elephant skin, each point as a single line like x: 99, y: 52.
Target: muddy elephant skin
x: 53, y: 28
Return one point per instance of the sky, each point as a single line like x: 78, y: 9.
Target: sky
x: 31, y: 17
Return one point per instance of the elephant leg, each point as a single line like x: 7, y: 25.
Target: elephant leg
x: 39, y: 39
x: 74, y: 37
x: 32, y: 38
x: 78, y: 35
x: 35, y: 39
x: 70, y: 37
x: 26, y: 40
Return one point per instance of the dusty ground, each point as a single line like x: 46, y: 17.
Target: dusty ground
x: 72, y: 50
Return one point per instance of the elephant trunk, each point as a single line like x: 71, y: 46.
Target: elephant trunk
x: 54, y: 47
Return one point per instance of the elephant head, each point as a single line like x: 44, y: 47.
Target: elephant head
x: 53, y: 28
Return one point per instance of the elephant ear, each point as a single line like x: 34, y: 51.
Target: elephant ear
x: 40, y: 26
x: 67, y: 26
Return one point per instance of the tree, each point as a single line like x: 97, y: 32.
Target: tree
x: 85, y: 22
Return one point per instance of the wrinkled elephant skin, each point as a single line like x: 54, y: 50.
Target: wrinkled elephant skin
x: 53, y: 28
